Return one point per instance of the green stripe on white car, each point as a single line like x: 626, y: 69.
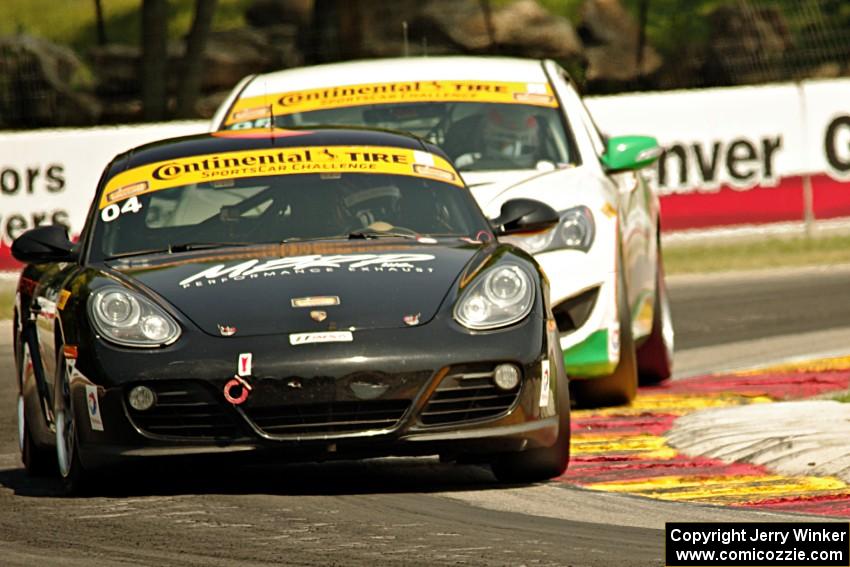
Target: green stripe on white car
x: 597, y: 355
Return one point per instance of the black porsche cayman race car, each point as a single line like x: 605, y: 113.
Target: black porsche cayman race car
x: 301, y: 295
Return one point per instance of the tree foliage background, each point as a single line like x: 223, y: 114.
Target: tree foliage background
x: 77, y: 62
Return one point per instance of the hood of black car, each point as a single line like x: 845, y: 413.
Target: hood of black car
x: 262, y: 291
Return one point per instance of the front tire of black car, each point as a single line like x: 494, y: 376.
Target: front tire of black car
x: 536, y: 465
x: 37, y: 460
x: 75, y: 479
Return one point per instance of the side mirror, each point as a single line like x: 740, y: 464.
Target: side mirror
x: 627, y: 153
x: 524, y: 215
x: 43, y: 245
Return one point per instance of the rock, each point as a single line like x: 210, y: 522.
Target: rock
x: 207, y: 105
x: 684, y: 71
x: 610, y: 36
x: 830, y: 70
x: 120, y: 110
x: 525, y: 27
x: 264, y: 13
x: 282, y: 43
x: 116, y: 68
x: 521, y: 28
x: 461, y: 25
x: 228, y: 57
x: 232, y: 54
x: 43, y: 84
x: 385, y: 24
x: 746, y: 44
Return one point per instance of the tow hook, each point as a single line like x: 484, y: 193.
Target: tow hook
x: 236, y: 390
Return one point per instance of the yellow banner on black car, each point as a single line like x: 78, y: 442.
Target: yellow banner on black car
x: 253, y: 108
x: 279, y: 161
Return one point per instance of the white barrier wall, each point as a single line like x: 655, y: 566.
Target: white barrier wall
x: 732, y: 155
x: 827, y: 115
x: 743, y: 155
x: 50, y: 176
x: 738, y: 137
x: 826, y: 133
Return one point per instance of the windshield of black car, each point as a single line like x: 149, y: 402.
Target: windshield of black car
x: 272, y: 209
x: 477, y: 136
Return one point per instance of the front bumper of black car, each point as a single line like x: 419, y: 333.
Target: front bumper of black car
x: 415, y: 391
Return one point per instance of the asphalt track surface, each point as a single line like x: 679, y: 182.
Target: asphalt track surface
x: 396, y: 511
x: 738, y: 307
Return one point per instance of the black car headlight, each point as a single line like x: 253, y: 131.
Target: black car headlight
x: 128, y: 318
x: 499, y: 297
x: 575, y: 231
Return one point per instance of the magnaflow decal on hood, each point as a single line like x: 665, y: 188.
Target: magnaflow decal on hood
x: 314, y: 263
x: 375, y: 290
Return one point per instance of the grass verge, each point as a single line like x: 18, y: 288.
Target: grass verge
x: 843, y: 397
x: 768, y: 252
x: 7, y: 297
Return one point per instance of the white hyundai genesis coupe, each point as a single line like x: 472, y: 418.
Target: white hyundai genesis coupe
x: 516, y: 128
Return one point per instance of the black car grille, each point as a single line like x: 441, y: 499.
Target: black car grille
x: 572, y: 313
x: 185, y: 409
x: 325, y: 418
x: 467, y: 394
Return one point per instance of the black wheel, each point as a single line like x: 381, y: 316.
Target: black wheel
x: 620, y: 387
x: 540, y: 464
x: 655, y: 355
x: 75, y: 478
x: 37, y: 460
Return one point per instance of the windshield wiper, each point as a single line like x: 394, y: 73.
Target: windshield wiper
x: 367, y: 234
x: 187, y: 246
x: 176, y: 248
x: 311, y: 238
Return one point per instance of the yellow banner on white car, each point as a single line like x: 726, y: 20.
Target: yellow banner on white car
x: 279, y: 104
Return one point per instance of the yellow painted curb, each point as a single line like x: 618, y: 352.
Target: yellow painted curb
x: 723, y: 488
x: 675, y: 404
x: 648, y: 446
x: 814, y: 365
x: 633, y: 446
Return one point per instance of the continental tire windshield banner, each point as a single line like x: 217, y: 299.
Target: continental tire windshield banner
x: 252, y: 108
x: 283, y: 161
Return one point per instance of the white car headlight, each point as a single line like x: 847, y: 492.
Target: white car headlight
x: 501, y: 296
x: 575, y: 230
x: 128, y: 318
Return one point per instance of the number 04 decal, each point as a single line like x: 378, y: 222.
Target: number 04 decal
x: 112, y: 212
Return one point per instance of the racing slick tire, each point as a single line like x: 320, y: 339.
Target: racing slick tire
x: 655, y: 355
x: 537, y: 465
x: 37, y: 460
x: 75, y: 478
x: 620, y: 387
